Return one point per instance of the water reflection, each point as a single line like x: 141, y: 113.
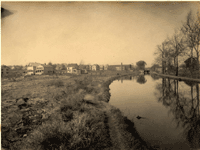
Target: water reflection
x: 141, y: 79
x: 184, y: 107
x: 170, y: 109
x: 126, y: 78
x: 155, y: 77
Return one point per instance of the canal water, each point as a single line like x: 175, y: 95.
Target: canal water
x: 165, y: 111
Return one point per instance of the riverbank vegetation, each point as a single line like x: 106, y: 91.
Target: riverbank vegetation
x: 179, y: 54
x: 62, y: 112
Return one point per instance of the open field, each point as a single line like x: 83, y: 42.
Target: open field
x: 64, y: 112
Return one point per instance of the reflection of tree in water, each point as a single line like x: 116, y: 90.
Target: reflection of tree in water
x: 165, y: 89
x: 185, y: 110
x: 155, y: 77
x: 126, y: 78
x: 190, y: 83
x: 141, y: 79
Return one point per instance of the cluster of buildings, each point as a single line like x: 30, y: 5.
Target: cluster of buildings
x: 35, y: 68
x: 12, y: 70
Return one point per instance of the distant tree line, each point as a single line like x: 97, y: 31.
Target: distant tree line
x: 183, y: 46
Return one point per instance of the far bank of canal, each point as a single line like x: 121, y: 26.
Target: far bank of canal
x: 165, y: 111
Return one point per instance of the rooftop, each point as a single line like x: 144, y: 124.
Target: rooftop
x: 72, y: 65
x: 33, y: 64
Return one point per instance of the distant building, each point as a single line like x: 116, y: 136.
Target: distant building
x: 86, y: 67
x: 114, y: 67
x: 72, y: 68
x: 11, y: 67
x: 127, y: 67
x: 33, y: 64
x: 84, y: 71
x: 191, y: 63
x: 44, y: 69
x: 5, y: 70
x: 120, y: 67
x: 60, y: 67
x: 90, y: 67
x: 31, y: 68
x: 106, y: 67
x: 60, y: 71
x: 101, y: 67
x: 95, y: 67
x: 19, y: 70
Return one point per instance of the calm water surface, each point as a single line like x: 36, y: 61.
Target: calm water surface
x: 169, y: 109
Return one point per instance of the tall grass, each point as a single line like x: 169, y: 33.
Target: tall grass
x: 83, y: 130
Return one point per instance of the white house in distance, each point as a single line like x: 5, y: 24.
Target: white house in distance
x: 44, y: 69
x: 31, y: 67
x: 95, y: 67
x: 72, y: 68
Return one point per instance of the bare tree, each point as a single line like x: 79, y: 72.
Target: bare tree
x: 191, y: 29
x: 176, y: 48
x: 162, y: 53
x: 81, y: 62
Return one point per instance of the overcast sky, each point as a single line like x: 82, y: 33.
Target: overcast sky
x: 92, y: 32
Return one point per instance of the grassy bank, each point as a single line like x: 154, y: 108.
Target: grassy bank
x: 64, y: 112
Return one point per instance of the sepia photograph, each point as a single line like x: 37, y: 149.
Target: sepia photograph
x: 100, y: 75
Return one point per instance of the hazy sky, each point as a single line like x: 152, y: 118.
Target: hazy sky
x: 92, y: 32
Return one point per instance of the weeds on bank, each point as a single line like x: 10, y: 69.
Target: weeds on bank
x: 65, y: 121
x: 73, y: 126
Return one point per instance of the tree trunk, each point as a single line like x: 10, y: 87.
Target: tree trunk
x: 197, y: 89
x: 162, y: 64
x: 198, y: 74
x: 177, y: 67
x: 163, y: 86
x: 174, y: 65
x: 174, y: 87
x: 191, y: 68
x: 192, y: 94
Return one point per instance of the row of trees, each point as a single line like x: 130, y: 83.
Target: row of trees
x: 182, y: 46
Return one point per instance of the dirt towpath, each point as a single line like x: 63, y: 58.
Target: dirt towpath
x: 117, y: 134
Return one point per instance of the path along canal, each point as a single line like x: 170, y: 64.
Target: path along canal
x: 165, y: 111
